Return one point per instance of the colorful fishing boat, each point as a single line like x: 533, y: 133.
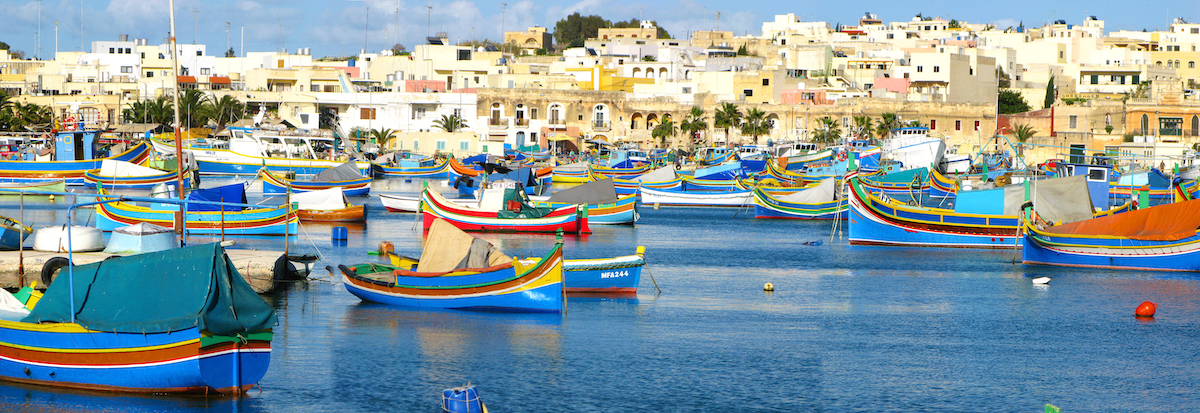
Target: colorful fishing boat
x: 618, y: 275
x: 345, y: 176
x: 675, y: 197
x: 572, y: 173
x: 818, y: 202
x: 125, y: 175
x: 1159, y: 238
x: 17, y: 188
x: 979, y: 219
x: 327, y: 205
x: 75, y: 152
x: 204, y: 219
x: 604, y: 205
x: 12, y: 234
x: 407, y: 169
x: 661, y: 178
x: 458, y: 271
x: 627, y: 171
x: 503, y: 210
x: 248, y: 150
x: 942, y: 186
x: 125, y: 325
x: 1156, y: 185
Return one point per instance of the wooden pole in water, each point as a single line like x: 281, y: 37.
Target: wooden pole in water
x: 20, y: 247
x: 287, y: 220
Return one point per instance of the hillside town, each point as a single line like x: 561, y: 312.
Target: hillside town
x: 1084, y: 90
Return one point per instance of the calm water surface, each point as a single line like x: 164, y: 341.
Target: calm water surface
x: 847, y: 329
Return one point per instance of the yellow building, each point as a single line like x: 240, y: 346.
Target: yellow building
x: 530, y: 40
x: 604, y: 79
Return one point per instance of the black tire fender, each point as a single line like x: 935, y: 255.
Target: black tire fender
x: 48, y: 269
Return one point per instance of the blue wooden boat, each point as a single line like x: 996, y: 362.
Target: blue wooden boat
x: 126, y: 325
x: 818, y: 202
x: 604, y: 205
x: 1153, y: 182
x: 1159, y: 238
x: 618, y: 275
x: 453, y: 275
x: 12, y: 234
x: 75, y: 153
x: 227, y: 220
x: 979, y: 219
x: 345, y: 176
x: 410, y: 169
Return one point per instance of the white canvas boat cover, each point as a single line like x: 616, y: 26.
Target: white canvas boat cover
x: 663, y: 174
x: 591, y: 193
x: 448, y: 248
x: 823, y: 192
x: 325, y: 199
x: 123, y: 169
x: 344, y: 172
x: 11, y: 308
x: 144, y: 228
x: 1061, y: 200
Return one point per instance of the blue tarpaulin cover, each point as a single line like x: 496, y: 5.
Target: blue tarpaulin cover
x: 235, y: 193
x: 158, y: 292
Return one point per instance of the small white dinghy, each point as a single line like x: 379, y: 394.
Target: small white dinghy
x: 141, y: 238
x: 54, y: 239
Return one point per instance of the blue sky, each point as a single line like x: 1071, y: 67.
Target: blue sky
x: 335, y: 27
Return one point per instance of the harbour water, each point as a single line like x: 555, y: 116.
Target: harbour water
x: 847, y: 328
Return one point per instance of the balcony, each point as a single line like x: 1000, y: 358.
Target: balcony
x: 522, y: 123
x: 497, y: 124
x: 601, y: 125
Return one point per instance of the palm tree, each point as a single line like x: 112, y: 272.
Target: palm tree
x: 158, y: 110
x: 886, y: 123
x: 191, y: 104
x: 450, y: 123
x: 664, y: 130
x: 829, y: 132
x: 1023, y: 132
x: 694, y: 122
x: 727, y: 116
x: 225, y: 110
x: 24, y: 117
x: 756, y: 124
x: 862, y: 127
x: 381, y: 136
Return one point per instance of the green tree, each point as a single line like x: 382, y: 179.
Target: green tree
x: 230, y: 53
x: 1010, y: 101
x: 727, y: 116
x: 664, y: 130
x: 191, y: 108
x: 156, y: 111
x: 1004, y: 81
x: 381, y: 136
x: 862, y: 127
x: 17, y: 116
x: 741, y: 51
x: 648, y: 58
x: 1023, y: 132
x: 1050, y: 95
x: 756, y: 124
x: 954, y: 24
x: 694, y: 122
x: 450, y: 123
x: 576, y: 27
x: 224, y: 111
x: 829, y: 131
x: 887, y: 122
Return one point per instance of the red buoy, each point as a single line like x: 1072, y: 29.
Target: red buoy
x: 1147, y: 309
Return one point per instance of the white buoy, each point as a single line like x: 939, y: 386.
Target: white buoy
x: 655, y: 205
x: 769, y: 287
x: 1041, y: 281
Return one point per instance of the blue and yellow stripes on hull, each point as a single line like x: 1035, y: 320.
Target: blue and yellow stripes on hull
x: 874, y: 221
x: 619, y: 275
x: 440, y: 170
x: 93, y: 179
x: 622, y: 212
x: 259, y: 221
x: 767, y: 206
x: 70, y: 171
x: 186, y: 361
x: 1042, y: 248
x: 276, y: 185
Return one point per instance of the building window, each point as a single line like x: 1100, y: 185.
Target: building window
x: 533, y: 113
x: 766, y: 82
x: 204, y: 71
x: 1073, y: 121
x: 366, y: 113
x: 126, y: 69
x: 937, y: 69
x: 416, y: 144
x: 199, y: 53
x: 128, y: 50
x: 441, y: 145
x: 933, y: 124
x: 957, y: 125
x: 110, y: 51
x: 149, y: 74
x: 976, y: 125
x: 314, y: 88
x: 920, y: 69
x: 419, y: 113
x: 464, y: 145
x: 458, y: 113
x: 748, y: 92
x: 464, y: 54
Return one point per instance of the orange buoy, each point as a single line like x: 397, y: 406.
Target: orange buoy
x: 1147, y: 309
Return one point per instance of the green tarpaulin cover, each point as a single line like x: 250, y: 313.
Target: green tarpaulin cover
x: 158, y: 292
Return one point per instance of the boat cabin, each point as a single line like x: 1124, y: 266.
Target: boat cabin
x: 251, y: 142
x: 1097, y: 180
x: 76, y: 145
x: 711, y: 153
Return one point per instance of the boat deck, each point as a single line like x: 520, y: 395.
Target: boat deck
x: 256, y: 266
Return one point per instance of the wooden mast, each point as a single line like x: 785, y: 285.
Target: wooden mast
x: 178, y: 121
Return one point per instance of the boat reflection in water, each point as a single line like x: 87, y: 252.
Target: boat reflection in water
x: 16, y: 397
